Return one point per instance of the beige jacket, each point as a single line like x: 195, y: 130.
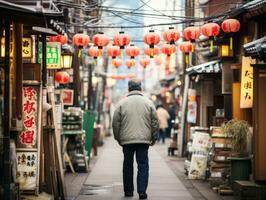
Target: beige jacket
x: 163, y: 117
x: 135, y: 120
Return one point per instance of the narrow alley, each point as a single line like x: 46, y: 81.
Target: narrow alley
x: 105, y: 180
x: 89, y: 86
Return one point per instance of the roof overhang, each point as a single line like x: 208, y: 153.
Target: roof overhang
x: 29, y: 15
x: 214, y: 66
x: 256, y: 49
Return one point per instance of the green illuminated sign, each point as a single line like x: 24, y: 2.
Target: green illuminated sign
x: 53, y: 54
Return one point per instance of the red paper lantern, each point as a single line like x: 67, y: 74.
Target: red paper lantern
x: 210, y: 30
x: 192, y: 33
x: 132, y: 51
x: 53, y: 39
x: 171, y: 35
x: 116, y: 62
x: 121, y: 40
x: 62, y: 39
x: 144, y: 62
x: 94, y: 52
x: 130, y: 63
x: 168, y: 49
x: 151, y: 52
x: 100, y: 40
x: 231, y: 26
x: 186, y: 47
x: 151, y: 39
x: 80, y: 40
x: 62, y: 77
x: 113, y: 51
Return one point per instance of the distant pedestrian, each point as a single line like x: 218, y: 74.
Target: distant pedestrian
x: 163, y: 117
x: 172, y: 114
x: 135, y: 127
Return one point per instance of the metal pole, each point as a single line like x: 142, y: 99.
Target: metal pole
x: 76, y: 78
x: 44, y: 64
x: 90, y: 91
x: 6, y: 139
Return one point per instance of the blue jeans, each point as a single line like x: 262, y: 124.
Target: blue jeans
x: 143, y: 167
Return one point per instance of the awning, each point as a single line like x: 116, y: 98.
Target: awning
x: 209, y: 67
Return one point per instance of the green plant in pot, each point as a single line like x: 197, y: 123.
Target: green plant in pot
x: 238, y: 131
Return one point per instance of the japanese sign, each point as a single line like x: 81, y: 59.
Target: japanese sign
x: 27, y: 166
x: 53, y: 55
x: 246, y: 98
x: 28, y: 137
x: 26, y: 48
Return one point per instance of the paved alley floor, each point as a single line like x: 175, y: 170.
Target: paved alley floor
x: 105, y: 180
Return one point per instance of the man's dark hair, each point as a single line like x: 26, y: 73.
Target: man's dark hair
x: 134, y: 84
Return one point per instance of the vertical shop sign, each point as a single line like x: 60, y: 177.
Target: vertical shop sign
x: 27, y: 140
x: 246, y: 98
x: 192, y: 107
x: 27, y: 47
x: 28, y: 137
x: 53, y: 55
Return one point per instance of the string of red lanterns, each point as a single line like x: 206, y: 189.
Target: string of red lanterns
x: 121, y: 40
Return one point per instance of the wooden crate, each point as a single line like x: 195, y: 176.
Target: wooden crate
x: 247, y: 190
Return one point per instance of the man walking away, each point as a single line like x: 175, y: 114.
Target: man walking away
x: 163, y: 117
x: 135, y: 127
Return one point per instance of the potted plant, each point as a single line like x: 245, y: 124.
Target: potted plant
x: 238, y: 131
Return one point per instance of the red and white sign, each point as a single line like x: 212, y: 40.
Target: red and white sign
x: 28, y: 136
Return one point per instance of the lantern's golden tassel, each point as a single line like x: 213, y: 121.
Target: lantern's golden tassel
x: 231, y: 43
x: 211, y: 46
x: 187, y: 58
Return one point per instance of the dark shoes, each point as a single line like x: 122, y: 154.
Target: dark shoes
x: 128, y: 194
x: 143, y: 196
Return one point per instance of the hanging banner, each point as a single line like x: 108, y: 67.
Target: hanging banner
x: 28, y: 139
x: 192, y: 107
x: 246, y: 95
x: 53, y: 55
